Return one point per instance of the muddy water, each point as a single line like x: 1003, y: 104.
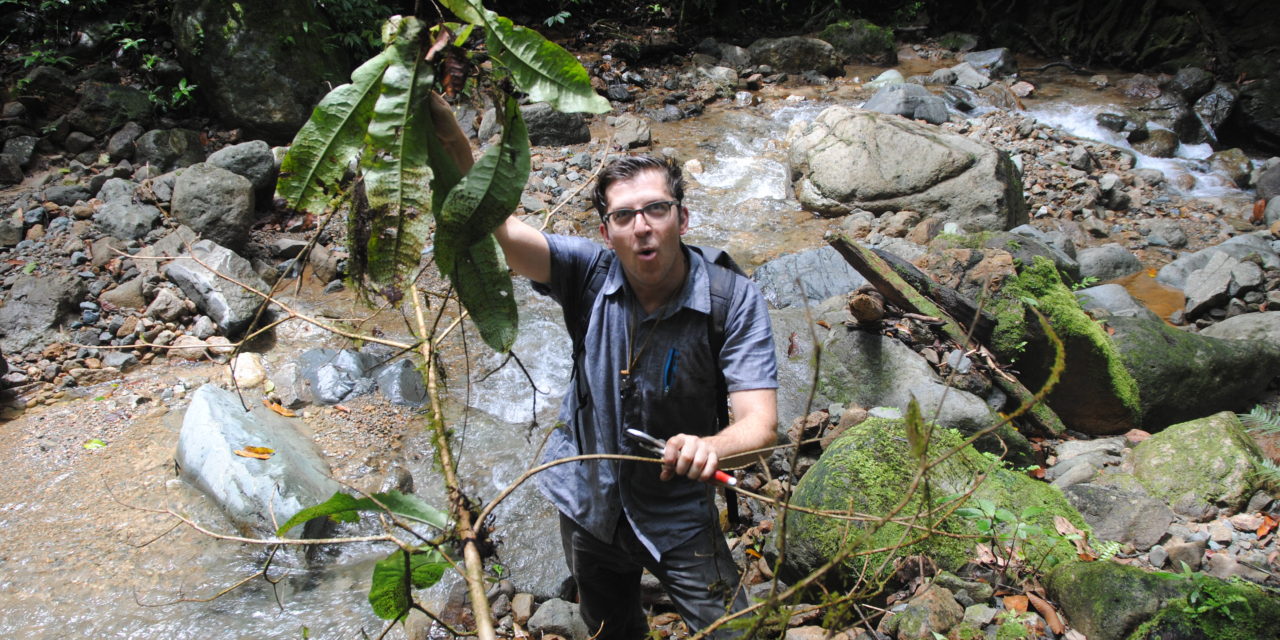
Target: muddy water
x: 79, y: 558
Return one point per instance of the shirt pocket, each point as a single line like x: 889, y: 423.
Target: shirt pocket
x: 684, y: 398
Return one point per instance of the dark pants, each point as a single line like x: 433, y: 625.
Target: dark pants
x: 698, y: 575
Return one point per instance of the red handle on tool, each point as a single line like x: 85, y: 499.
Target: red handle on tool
x: 724, y: 478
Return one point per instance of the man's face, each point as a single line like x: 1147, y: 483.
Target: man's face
x: 649, y: 251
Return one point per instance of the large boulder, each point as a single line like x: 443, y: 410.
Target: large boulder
x: 1112, y: 601
x: 127, y: 220
x: 867, y: 470
x: 1124, y: 516
x: 228, y: 304
x: 251, y: 491
x: 1107, y: 262
x: 1248, y: 246
x: 808, y: 277
x: 1264, y: 326
x: 863, y: 41
x: 548, y: 127
x: 796, y: 54
x: 214, y: 202
x: 1182, y: 375
x: 1198, y: 464
x: 254, y: 161
x: 35, y: 306
x: 260, y: 65
x: 910, y: 101
x: 1257, y: 113
x: 105, y: 107
x: 850, y: 159
x: 168, y: 149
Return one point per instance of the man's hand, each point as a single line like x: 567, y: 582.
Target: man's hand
x: 689, y: 456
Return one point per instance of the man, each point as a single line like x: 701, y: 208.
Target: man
x: 646, y: 362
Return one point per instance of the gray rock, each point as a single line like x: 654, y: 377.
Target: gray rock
x: 840, y: 161
x: 22, y: 149
x: 1188, y: 552
x: 173, y: 244
x: 1210, y: 285
x: 166, y: 307
x: 121, y: 144
x: 1208, y: 461
x: 214, y: 202
x: 561, y: 618
x: 1115, y: 299
x: 77, y: 142
x: 253, y: 160
x: 1158, y: 143
x: 117, y: 190
x: 121, y: 360
x: 548, y: 127
x: 168, y: 149
x: 1264, y: 326
x: 401, y: 383
x: 969, y: 77
x: 227, y: 304
x: 1121, y: 516
x: 910, y: 101
x: 290, y: 387
x: 1166, y: 231
x: 1073, y: 474
x: 1113, y: 447
x: 126, y: 296
x: 797, y: 54
x: 809, y: 276
x: 1239, y: 247
x: 1026, y: 246
x: 105, y: 106
x: 1272, y: 212
x: 862, y: 40
x: 734, y: 57
x: 127, y: 220
x: 67, y: 194
x: 49, y: 81
x: 334, y: 376
x: 1107, y: 262
x: 1268, y: 182
x: 630, y: 131
x: 252, y: 491
x: 34, y: 306
x: 261, y: 67
x: 11, y: 230
x: 993, y: 61
x: 10, y: 170
x: 722, y: 81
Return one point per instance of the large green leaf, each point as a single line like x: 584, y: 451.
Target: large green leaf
x: 491, y: 190
x: 484, y: 287
x: 344, y: 507
x: 331, y: 139
x: 397, y: 172
x: 389, y: 592
x: 538, y: 66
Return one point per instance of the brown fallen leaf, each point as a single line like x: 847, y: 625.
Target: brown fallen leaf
x: 279, y: 409
x: 342, y: 408
x: 260, y: 450
x: 1016, y: 603
x: 824, y: 324
x: 1046, y: 611
x: 244, y: 453
x: 1268, y: 525
x: 1083, y: 550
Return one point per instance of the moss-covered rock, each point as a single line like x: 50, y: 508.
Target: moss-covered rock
x: 862, y: 40
x: 1200, y: 463
x: 868, y: 469
x: 1111, y: 601
x: 1095, y: 393
x: 1183, y: 375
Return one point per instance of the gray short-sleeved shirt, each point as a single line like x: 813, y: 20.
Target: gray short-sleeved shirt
x: 673, y: 373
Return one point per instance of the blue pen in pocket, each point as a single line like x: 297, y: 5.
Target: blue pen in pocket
x: 669, y: 369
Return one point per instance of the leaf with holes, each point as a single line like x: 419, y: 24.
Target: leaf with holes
x: 484, y: 287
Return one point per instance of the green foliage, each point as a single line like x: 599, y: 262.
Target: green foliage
x: 389, y: 593
x: 354, y: 24
x: 1207, y: 597
x: 1265, y: 421
x: 559, y: 18
x: 1010, y: 536
x: 43, y: 57
x: 344, y: 507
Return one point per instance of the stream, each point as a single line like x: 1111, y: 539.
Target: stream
x: 73, y: 562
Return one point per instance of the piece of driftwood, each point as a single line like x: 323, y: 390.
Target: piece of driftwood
x: 866, y: 305
x: 903, y: 294
x: 959, y: 306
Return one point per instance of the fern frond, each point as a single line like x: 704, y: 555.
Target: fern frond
x: 1261, y: 420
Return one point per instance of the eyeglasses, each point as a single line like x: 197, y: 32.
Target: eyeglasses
x: 653, y: 212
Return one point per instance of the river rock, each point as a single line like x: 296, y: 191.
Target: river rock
x: 117, y: 190
x: 1164, y: 232
x: 552, y: 128
x: 106, y: 106
x: 120, y: 145
x: 1115, y: 300
x: 67, y: 195
x: 10, y: 170
x: 1264, y: 326
x: 215, y: 203
x: 867, y: 466
x: 1119, y: 515
x: 1157, y: 142
x: 840, y: 161
x: 252, y: 160
x: 226, y: 303
x: 127, y: 220
x: 1239, y: 247
x: 247, y: 370
x: 168, y: 149
x: 36, y: 305
x: 630, y: 131
x: 806, y: 277
x: 1181, y: 374
x: 252, y: 491
x: 930, y: 614
x: 1232, y: 163
x: 1257, y: 112
x: 861, y: 40
x: 910, y: 101
x: 1204, y: 462
x: 993, y: 61
x: 797, y: 54
x: 125, y: 296
x: 401, y: 383
x: 335, y: 375
x: 166, y: 307
x: 1025, y: 242
x: 186, y: 347
x: 258, y: 65
x: 969, y: 77
x: 557, y: 617
x: 22, y: 149
x: 1210, y: 285
x: 1107, y: 262
x: 173, y: 244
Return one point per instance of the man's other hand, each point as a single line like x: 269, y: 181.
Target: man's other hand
x: 689, y: 456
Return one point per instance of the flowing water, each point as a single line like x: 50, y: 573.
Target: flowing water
x: 74, y: 562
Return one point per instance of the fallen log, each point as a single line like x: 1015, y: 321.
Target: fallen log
x: 898, y: 290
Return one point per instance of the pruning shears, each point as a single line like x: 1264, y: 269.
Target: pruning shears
x: 657, y: 446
